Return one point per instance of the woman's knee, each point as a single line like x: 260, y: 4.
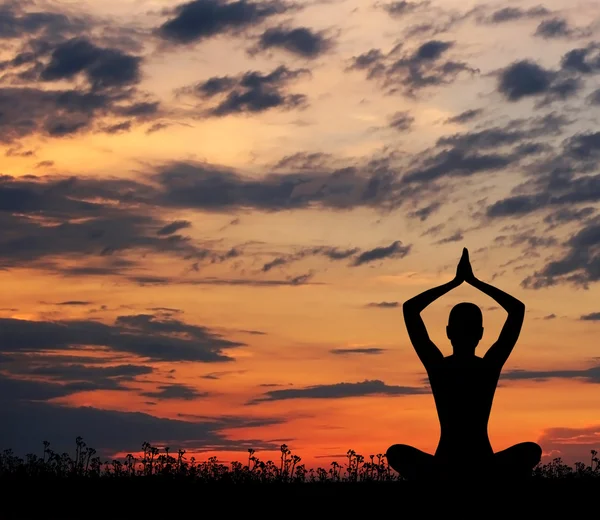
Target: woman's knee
x: 534, y: 451
x: 399, y: 451
x: 523, y: 454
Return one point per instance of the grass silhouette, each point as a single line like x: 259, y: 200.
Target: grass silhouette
x: 165, y: 484
x: 157, y: 464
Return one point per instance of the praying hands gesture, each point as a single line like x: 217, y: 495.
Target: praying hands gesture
x: 464, y: 271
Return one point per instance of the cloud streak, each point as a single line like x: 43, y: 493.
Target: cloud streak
x: 412, y: 71
x: 587, y: 375
x: 252, y: 92
x: 351, y: 351
x: 114, y: 431
x: 199, y: 20
x: 147, y: 336
x: 298, y: 41
x: 339, y: 391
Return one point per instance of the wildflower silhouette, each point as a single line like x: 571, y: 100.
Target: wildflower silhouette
x: 154, y: 463
x: 463, y: 387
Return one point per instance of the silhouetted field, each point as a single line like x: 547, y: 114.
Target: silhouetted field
x: 165, y: 475
x: 163, y: 465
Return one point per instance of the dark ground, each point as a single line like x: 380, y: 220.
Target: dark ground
x: 143, y: 498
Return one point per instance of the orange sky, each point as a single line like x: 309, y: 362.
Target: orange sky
x: 214, y: 250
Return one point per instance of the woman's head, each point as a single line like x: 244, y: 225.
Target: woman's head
x: 465, y: 327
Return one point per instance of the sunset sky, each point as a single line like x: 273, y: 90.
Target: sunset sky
x: 212, y: 212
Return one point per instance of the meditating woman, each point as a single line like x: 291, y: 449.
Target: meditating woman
x: 463, y: 387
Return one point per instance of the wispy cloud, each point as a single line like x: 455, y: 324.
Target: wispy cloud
x: 339, y: 391
x: 199, y: 20
x: 147, y: 336
x: 383, y: 305
x: 587, y: 375
x: 350, y: 351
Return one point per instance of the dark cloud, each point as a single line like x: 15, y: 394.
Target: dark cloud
x: 96, y: 84
x: 582, y: 60
x: 351, y: 351
x: 117, y: 128
x: 277, y: 262
x: 139, y: 109
x: 91, y: 232
x: 532, y: 240
x: 553, y: 28
x: 561, y: 187
x: 223, y: 373
x: 213, y: 188
x: 432, y: 50
x: 54, y: 113
x: 412, y: 71
x: 300, y: 279
x: 559, y: 28
x: 110, y: 432
x: 594, y: 316
x: 339, y: 391
x: 509, y: 14
x: 371, y: 61
x: 583, y: 146
x: 401, y: 8
x: 301, y: 41
x: 580, y: 265
x: 251, y: 92
x: 516, y: 205
x: 466, y: 116
x: 455, y: 237
x: 384, y: 305
x: 64, y: 73
x: 402, y: 121
x: 292, y: 280
x: 424, y: 213
x: 304, y: 161
x: 103, y: 68
x: 565, y: 215
x: 18, y: 151
x: 433, y: 20
x: 173, y: 227
x: 76, y: 303
x: 78, y: 372
x: 201, y: 19
x: 157, y: 127
x: 483, y: 139
x: 466, y: 154
x: 587, y: 375
x: 594, y: 97
x: 457, y: 162
x: 176, y: 392
x: 525, y: 78
x: 65, y: 375
x: 394, y: 250
x: 26, y: 389
x: 332, y: 253
x: 167, y: 310
x: 16, y: 22
x: 147, y: 336
x: 45, y: 164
